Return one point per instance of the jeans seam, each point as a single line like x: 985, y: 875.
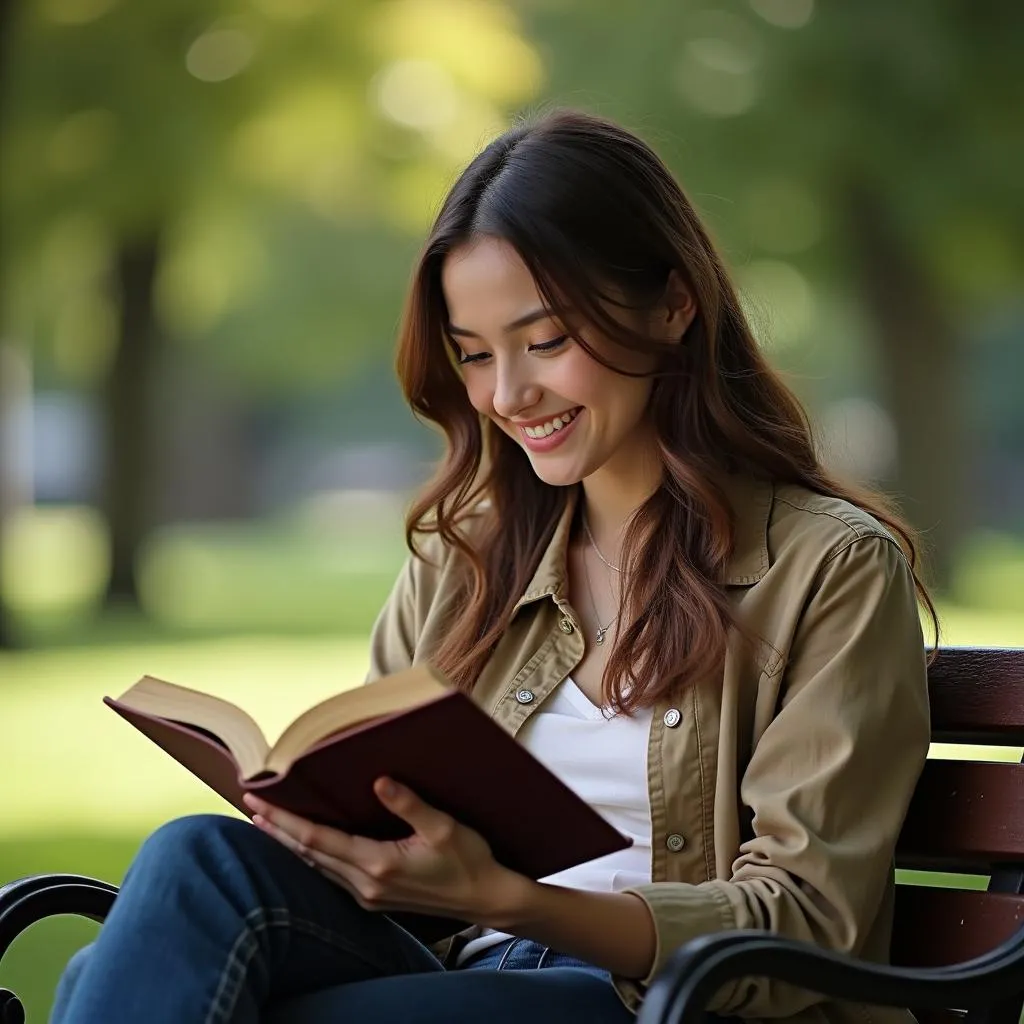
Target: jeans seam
x: 245, y: 948
x: 508, y: 952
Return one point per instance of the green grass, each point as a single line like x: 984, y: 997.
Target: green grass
x: 83, y: 788
x: 33, y: 965
x: 320, y: 569
x: 93, y: 788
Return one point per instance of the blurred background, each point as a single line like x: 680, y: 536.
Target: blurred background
x: 208, y: 216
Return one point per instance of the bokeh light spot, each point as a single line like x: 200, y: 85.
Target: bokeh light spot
x: 784, y: 13
x: 418, y: 94
x: 219, y: 54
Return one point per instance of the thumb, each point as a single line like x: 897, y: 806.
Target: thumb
x: 401, y: 801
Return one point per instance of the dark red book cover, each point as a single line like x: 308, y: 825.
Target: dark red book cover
x: 447, y: 750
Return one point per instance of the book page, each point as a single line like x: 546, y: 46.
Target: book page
x: 235, y: 728
x: 386, y: 696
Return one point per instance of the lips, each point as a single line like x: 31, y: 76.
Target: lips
x: 545, y: 436
x: 548, y: 427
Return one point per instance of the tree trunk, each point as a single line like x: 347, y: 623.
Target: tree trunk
x: 919, y: 354
x: 130, y: 418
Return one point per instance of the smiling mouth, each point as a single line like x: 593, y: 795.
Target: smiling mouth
x: 553, y: 425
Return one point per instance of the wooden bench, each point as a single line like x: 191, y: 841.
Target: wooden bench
x: 954, y: 949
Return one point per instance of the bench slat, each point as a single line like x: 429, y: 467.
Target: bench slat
x: 977, y: 696
x: 935, y: 927
x: 966, y: 816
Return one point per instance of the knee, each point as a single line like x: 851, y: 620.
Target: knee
x: 195, y: 840
x: 68, y: 980
x: 76, y: 965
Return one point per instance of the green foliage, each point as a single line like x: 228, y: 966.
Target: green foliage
x: 770, y: 110
x: 286, y: 154
x: 990, y: 573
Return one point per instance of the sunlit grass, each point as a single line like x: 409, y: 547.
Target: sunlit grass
x: 86, y: 768
x: 83, y: 788
x: 324, y: 567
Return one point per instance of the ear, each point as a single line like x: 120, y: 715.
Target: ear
x: 677, y: 309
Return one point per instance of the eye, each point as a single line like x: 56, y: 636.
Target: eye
x: 550, y: 346
x: 475, y: 357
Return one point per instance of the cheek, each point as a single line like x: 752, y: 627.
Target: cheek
x: 480, y: 393
x: 594, y: 385
x: 583, y: 380
x: 621, y: 401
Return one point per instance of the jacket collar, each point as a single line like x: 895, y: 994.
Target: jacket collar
x: 751, y: 501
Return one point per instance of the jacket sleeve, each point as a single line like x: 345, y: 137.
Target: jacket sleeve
x: 829, y: 781
x: 393, y: 639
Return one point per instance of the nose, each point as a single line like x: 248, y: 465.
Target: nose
x: 514, y: 392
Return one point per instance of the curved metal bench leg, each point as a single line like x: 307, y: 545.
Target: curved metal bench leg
x: 25, y: 901
x: 11, y: 1010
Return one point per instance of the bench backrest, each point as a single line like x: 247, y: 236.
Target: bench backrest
x: 966, y: 816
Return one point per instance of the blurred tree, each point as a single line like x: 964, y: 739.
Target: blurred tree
x: 164, y: 162
x: 873, y: 147
x: 7, y: 635
x: 120, y: 143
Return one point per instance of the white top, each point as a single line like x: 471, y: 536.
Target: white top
x: 604, y: 760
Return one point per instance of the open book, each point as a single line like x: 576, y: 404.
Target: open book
x: 412, y: 726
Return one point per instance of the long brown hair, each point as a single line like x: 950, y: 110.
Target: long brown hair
x: 595, y: 215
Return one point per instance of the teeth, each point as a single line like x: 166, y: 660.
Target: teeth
x: 551, y: 426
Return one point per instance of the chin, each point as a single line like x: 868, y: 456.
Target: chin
x: 557, y: 476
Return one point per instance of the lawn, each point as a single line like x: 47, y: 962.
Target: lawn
x: 83, y: 788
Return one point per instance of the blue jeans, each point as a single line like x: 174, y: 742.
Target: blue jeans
x: 216, y: 923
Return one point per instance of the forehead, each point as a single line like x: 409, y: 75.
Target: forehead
x: 486, y: 281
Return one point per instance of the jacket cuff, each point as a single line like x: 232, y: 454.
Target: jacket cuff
x: 682, y: 912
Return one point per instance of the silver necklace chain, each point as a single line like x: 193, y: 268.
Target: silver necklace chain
x: 593, y: 544
x: 602, y: 631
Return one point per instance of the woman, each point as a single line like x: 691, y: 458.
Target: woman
x: 633, y: 559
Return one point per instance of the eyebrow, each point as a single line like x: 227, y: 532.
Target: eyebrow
x: 516, y: 325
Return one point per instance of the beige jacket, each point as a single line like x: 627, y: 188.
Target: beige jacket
x: 777, y: 792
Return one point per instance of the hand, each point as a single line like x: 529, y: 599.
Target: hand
x: 442, y: 868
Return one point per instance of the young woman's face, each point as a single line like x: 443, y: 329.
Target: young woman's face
x: 571, y: 415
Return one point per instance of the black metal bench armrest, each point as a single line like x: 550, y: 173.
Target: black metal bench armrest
x: 25, y: 901
x: 689, y: 981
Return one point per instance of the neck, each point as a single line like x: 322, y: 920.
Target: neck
x: 613, y: 494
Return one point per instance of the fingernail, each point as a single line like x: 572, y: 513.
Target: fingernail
x: 388, y: 788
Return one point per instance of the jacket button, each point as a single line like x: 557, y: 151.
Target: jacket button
x: 524, y: 696
x: 675, y: 842
x: 672, y: 717
x: 565, y: 625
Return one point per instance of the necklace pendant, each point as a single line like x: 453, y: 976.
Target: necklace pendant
x: 600, y: 636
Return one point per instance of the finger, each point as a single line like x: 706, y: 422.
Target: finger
x: 305, y: 832
x: 306, y: 836
x: 285, y: 839
x: 314, y: 857
x: 425, y: 820
x: 366, y: 890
